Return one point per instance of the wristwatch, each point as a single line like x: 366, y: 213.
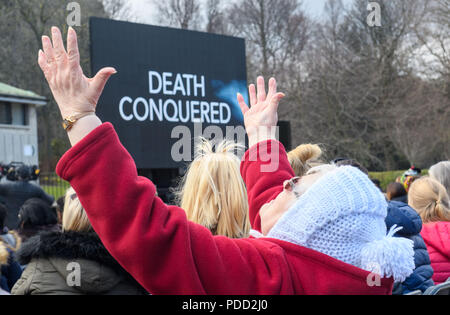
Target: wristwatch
x: 68, y: 122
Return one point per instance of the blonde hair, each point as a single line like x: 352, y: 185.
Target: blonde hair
x: 75, y: 218
x: 4, y: 254
x: 213, y: 193
x: 430, y: 199
x: 441, y: 173
x: 304, y: 157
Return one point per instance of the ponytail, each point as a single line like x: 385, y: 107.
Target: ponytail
x: 430, y: 199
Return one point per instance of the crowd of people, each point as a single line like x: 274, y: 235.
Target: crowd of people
x: 306, y: 227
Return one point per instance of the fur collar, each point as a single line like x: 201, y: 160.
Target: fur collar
x: 68, y: 245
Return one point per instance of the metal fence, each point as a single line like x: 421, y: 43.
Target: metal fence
x: 53, y: 184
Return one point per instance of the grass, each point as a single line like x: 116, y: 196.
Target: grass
x: 389, y: 177
x: 53, y: 185
x: 55, y: 191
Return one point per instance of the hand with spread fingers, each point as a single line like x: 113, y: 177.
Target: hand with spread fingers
x: 261, y: 118
x: 74, y: 93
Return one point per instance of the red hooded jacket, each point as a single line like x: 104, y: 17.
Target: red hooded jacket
x: 437, y: 238
x: 167, y: 254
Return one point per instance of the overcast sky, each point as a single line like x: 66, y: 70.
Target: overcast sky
x: 143, y: 8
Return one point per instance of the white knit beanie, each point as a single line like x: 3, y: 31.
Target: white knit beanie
x: 343, y: 216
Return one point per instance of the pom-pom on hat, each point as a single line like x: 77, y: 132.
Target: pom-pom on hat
x: 343, y: 216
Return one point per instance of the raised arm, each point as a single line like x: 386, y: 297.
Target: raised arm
x: 263, y: 187
x: 265, y: 166
x: 75, y: 94
x: 155, y: 243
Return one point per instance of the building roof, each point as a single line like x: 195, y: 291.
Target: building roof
x: 8, y: 92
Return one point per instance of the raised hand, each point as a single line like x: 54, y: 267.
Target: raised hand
x: 261, y: 118
x: 74, y: 93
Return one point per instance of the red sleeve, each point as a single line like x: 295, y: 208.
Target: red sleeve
x: 265, y: 167
x: 155, y: 243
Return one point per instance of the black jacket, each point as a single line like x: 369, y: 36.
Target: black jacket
x: 49, y: 256
x: 14, y: 195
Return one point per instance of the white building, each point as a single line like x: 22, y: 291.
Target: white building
x: 18, y: 125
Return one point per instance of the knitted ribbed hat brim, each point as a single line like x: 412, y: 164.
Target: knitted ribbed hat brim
x: 342, y: 192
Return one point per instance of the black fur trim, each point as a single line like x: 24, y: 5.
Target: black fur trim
x: 68, y: 245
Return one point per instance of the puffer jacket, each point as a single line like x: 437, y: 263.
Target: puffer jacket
x: 437, y: 238
x: 404, y: 216
x: 50, y: 259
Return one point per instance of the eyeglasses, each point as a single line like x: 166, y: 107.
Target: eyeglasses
x: 290, y: 185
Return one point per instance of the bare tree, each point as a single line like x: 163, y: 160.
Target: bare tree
x: 434, y: 39
x: 184, y: 14
x: 215, y: 17
x: 118, y: 10
x: 23, y: 24
x: 276, y: 32
x: 358, y: 84
x: 420, y: 126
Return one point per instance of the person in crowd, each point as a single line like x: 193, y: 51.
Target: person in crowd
x: 10, y: 238
x: 304, y: 157
x: 405, y: 217
x: 409, y: 177
x: 10, y: 270
x: 49, y: 256
x: 430, y: 199
x: 441, y: 173
x: 14, y: 195
x: 396, y: 192
x: 167, y: 253
x: 213, y: 193
x: 409, y: 223
x: 36, y: 216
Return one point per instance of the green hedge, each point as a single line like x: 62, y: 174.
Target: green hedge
x: 389, y: 177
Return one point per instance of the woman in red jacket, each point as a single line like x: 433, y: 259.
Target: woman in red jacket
x: 429, y: 198
x: 156, y: 243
